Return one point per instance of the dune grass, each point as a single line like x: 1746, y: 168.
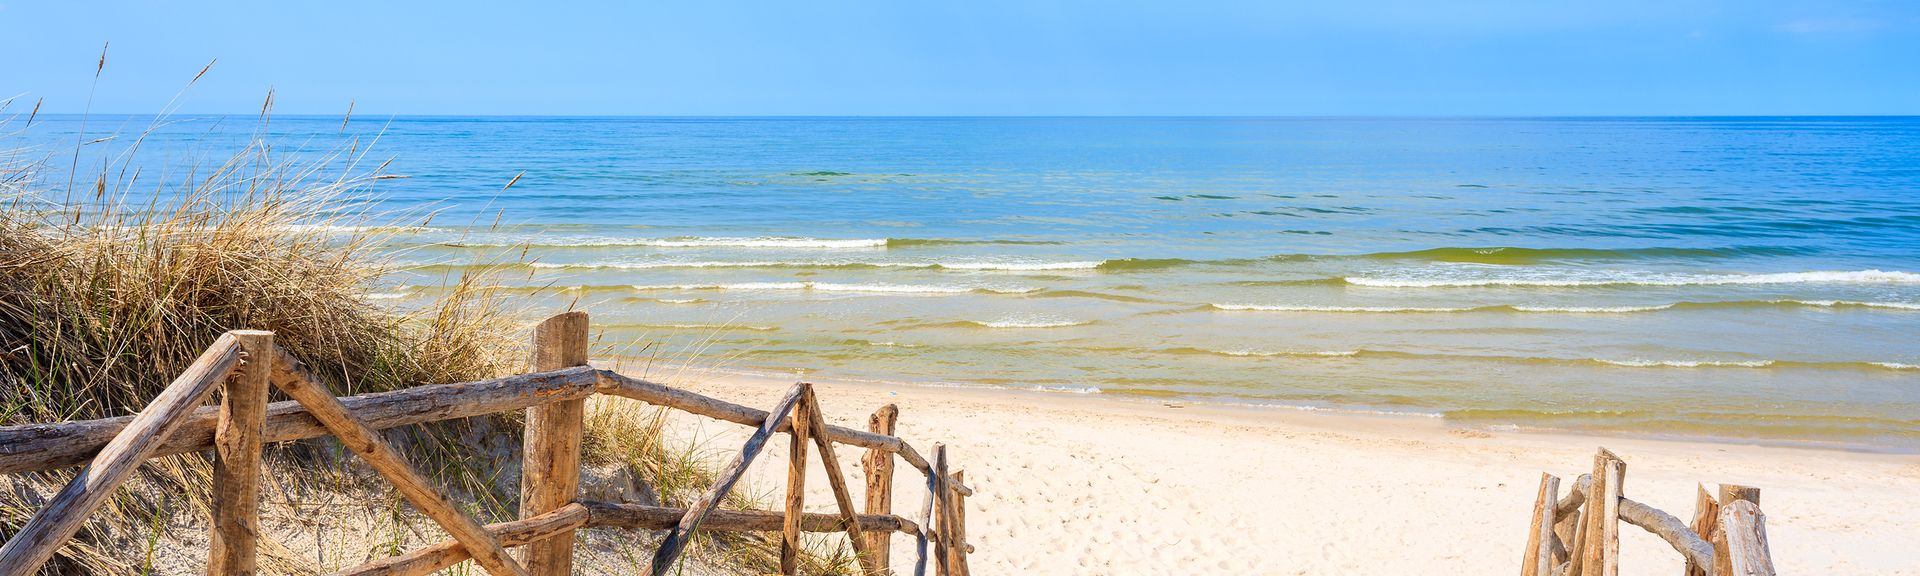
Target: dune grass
x: 103, y: 300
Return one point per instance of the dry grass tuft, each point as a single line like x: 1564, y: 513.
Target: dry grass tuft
x: 104, y: 300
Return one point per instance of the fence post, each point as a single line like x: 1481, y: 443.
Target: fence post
x: 1743, y: 531
x: 803, y: 416
x: 879, y: 468
x: 1723, y: 558
x: 49, y: 529
x: 235, y: 532
x: 960, y: 525
x: 1539, y: 556
x: 1706, y: 519
x: 550, y: 465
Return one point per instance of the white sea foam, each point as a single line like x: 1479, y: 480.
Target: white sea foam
x: 1016, y: 266
x: 711, y: 327
x: 1031, y: 321
x: 1592, y: 309
x: 1264, y: 308
x: 1847, y: 303
x: 388, y: 295
x: 1823, y: 277
x: 757, y: 242
x: 1067, y: 389
x: 1322, y: 353
x: 344, y: 229
x: 1896, y: 365
x: 1638, y: 363
x: 831, y: 287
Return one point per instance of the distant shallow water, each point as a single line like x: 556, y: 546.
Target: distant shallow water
x: 1749, y: 278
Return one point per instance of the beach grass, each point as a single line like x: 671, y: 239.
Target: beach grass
x: 104, y: 298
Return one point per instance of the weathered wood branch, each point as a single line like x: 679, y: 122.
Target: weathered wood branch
x: 563, y: 520
x: 32, y: 447
x: 878, y: 465
x: 49, y: 529
x: 367, y: 443
x: 1538, y: 559
x: 234, y: 537
x: 550, y: 456
x: 1744, y: 532
x: 1575, y: 498
x: 662, y: 395
x: 790, y: 543
x: 610, y: 515
x: 1669, y: 528
x: 677, y: 537
x: 837, y: 480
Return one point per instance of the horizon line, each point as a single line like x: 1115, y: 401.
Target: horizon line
x: 1000, y: 116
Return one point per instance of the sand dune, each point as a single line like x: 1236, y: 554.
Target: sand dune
x: 1089, y: 485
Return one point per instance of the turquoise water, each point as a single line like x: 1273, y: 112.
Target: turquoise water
x: 1737, y: 277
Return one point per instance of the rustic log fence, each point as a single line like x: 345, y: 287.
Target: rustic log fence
x: 1579, y: 535
x: 246, y: 363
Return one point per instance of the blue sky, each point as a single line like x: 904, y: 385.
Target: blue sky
x: 977, y: 57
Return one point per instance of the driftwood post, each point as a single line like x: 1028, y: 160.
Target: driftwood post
x: 50, y: 528
x: 879, y: 470
x: 842, y: 499
x: 676, y: 538
x: 236, y: 459
x: 1539, y: 557
x: 1724, y: 545
x: 1599, y: 550
x: 1742, y: 550
x: 943, y: 510
x: 960, y: 549
x: 366, y: 442
x: 796, y: 483
x: 550, y: 465
x: 1706, y: 519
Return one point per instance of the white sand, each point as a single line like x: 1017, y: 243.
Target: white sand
x: 1080, y: 484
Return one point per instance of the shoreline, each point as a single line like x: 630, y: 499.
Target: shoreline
x: 1225, y: 406
x: 1076, y: 485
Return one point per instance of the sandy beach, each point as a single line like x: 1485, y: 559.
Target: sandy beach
x: 1080, y: 484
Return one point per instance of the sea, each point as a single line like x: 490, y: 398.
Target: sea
x: 1747, y: 279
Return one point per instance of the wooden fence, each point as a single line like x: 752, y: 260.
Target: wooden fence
x: 1579, y: 535
x: 246, y: 363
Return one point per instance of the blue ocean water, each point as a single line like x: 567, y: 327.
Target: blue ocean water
x: 1741, y: 277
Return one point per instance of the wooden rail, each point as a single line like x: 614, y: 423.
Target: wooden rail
x: 244, y: 364
x: 1579, y: 535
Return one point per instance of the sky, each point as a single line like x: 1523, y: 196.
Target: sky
x: 973, y: 57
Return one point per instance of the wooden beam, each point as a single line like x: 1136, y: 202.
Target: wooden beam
x: 1744, y: 531
x: 1706, y: 519
x: 562, y: 520
x: 550, y: 462
x: 49, y: 529
x: 796, y: 484
x: 1538, y: 560
x: 1669, y: 528
x: 366, y: 442
x: 817, y: 430
x: 34, y: 447
x: 662, y: 395
x: 635, y: 516
x: 943, y: 511
x: 960, y: 548
x: 676, y: 539
x: 1609, y: 508
x: 878, y: 465
x: 928, y: 527
x: 1600, y: 530
x: 235, y: 530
